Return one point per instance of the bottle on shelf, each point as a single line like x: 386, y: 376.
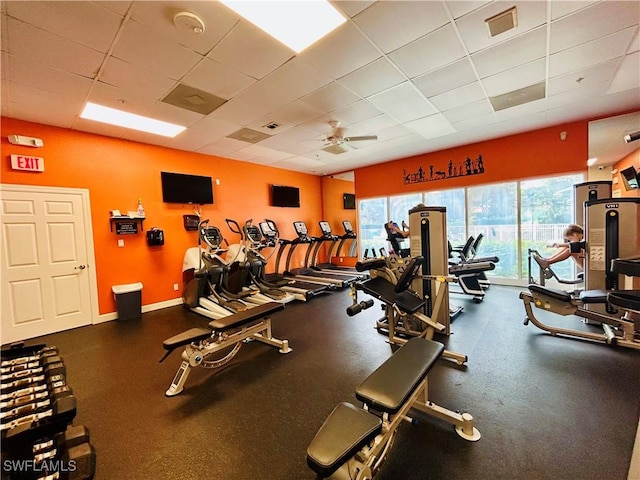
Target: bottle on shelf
x: 140, y: 208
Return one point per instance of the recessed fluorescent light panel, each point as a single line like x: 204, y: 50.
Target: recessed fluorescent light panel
x: 99, y: 113
x: 297, y: 24
x: 591, y: 161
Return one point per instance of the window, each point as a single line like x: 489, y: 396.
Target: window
x: 546, y: 207
x: 453, y: 200
x: 372, y: 217
x: 493, y: 211
x: 513, y: 218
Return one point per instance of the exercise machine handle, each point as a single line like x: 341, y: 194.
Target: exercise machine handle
x: 370, y: 264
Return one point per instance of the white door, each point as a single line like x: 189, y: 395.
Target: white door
x: 46, y: 278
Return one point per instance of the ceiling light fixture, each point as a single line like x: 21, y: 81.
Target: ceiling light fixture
x: 296, y: 24
x: 112, y: 116
x: 632, y: 137
x: 592, y: 161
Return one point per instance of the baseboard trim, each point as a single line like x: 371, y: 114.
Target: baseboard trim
x: 107, y: 317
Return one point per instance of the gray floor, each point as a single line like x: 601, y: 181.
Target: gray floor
x: 547, y: 407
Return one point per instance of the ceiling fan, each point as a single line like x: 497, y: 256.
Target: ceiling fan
x: 336, y: 140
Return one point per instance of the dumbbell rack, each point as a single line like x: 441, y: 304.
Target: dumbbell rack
x: 37, y: 409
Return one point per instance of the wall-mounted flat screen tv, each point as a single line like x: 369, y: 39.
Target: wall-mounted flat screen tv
x: 282, y: 196
x: 630, y: 178
x: 349, y: 201
x: 182, y: 188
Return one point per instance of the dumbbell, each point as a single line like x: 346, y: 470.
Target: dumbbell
x: 358, y: 307
x: 63, y: 410
x: 31, y: 403
x: 45, y: 352
x: 55, y: 447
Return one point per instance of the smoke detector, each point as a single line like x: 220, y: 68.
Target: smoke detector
x: 189, y: 22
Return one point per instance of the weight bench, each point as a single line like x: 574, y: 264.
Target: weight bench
x: 353, y: 442
x: 617, y: 330
x: 202, y: 345
x: 468, y: 276
x: 403, y: 307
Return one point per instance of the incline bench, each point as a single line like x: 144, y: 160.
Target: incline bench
x: 354, y: 441
x: 202, y: 345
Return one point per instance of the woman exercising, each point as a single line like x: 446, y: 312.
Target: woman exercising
x: 572, y: 234
x: 392, y: 228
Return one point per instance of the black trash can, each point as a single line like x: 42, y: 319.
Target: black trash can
x: 128, y: 300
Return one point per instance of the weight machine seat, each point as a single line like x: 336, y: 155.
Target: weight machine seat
x: 246, y: 316
x: 343, y: 433
x: 626, y: 299
x: 389, y: 386
x: 235, y: 320
x: 384, y: 291
x: 586, y: 296
x: 593, y: 296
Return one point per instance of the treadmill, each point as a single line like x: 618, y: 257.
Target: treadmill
x: 349, y: 234
x: 306, y: 273
x: 300, y: 289
x: 328, y: 236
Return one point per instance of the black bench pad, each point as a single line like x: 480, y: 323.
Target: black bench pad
x: 471, y: 268
x: 384, y: 290
x: 249, y: 315
x: 185, y: 338
x: 389, y: 386
x: 550, y: 292
x: 343, y: 433
x: 593, y: 296
x: 627, y: 299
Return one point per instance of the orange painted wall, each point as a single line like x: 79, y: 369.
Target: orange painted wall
x: 631, y: 160
x: 526, y: 155
x: 116, y: 172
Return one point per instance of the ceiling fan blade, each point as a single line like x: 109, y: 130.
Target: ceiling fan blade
x: 358, y: 139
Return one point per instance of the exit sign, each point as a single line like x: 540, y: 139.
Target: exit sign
x: 24, y: 162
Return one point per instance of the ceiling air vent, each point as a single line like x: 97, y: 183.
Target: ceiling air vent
x: 502, y: 22
x: 248, y: 135
x: 518, y: 97
x: 193, y: 99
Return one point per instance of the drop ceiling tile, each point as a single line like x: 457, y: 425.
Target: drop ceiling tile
x: 515, y: 78
x: 601, y: 72
x: 417, y: 19
x: 432, y: 126
x: 372, y: 125
x: 469, y: 110
x: 373, y: 78
x: 561, y: 9
x: 61, y: 53
x: 269, y: 154
x: 518, y: 51
x: 44, y: 78
x: 584, y: 94
x: 134, y: 81
x: 330, y: 97
x: 29, y: 99
x: 291, y: 81
x: 351, y: 8
x: 591, y: 53
x: 426, y: 54
x: 403, y: 103
x: 475, y: 33
x: 114, y: 97
x: 355, y: 112
x: 341, y: 52
x: 446, y: 78
x: 277, y: 142
x: 292, y: 114
x: 459, y: 8
x: 172, y: 114
x: 628, y: 75
x: 588, y: 24
x: 202, y: 133
x: 250, y: 51
x: 87, y: 23
x: 144, y: 47
x: 241, y: 111
x: 475, y: 122
x: 159, y: 16
x: 457, y: 97
x: 218, y: 79
x: 119, y: 6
